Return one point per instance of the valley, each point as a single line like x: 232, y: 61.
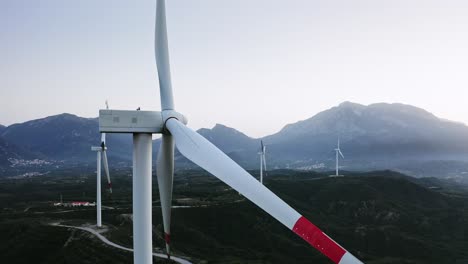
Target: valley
x: 381, y: 217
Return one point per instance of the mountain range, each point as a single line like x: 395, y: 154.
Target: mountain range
x: 377, y: 136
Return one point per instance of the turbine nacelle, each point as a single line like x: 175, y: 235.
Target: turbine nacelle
x: 136, y: 121
x: 100, y: 149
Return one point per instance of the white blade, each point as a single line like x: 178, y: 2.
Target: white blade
x: 103, y: 138
x: 165, y: 174
x: 106, y: 168
x: 200, y: 151
x: 264, y: 159
x: 339, y: 151
x: 162, y: 57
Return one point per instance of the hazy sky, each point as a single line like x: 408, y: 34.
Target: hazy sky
x: 255, y: 65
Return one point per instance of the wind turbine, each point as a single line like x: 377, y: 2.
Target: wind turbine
x: 101, y: 154
x: 338, y: 154
x: 172, y: 126
x: 262, y: 160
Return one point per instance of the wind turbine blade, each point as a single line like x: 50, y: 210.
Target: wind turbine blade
x: 106, y: 168
x: 162, y: 57
x: 165, y: 174
x: 203, y: 153
x: 339, y: 151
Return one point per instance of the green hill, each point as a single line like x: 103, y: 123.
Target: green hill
x: 381, y: 217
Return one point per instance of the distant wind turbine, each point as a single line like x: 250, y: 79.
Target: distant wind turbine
x: 338, y: 154
x: 262, y: 154
x: 101, y: 155
x: 172, y: 126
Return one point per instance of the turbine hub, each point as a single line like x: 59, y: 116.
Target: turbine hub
x: 168, y: 114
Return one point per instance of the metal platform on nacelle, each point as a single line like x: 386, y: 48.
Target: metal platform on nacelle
x: 130, y: 121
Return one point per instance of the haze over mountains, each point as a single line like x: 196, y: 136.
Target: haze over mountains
x: 378, y: 136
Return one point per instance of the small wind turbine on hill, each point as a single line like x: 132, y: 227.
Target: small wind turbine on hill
x: 262, y: 153
x: 172, y: 126
x: 337, y: 162
x: 101, y: 155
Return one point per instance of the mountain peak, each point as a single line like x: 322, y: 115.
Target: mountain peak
x: 352, y: 120
x: 348, y: 104
x: 58, y: 136
x: 53, y: 118
x: 65, y: 116
x: 403, y: 110
x: 227, y: 138
x: 222, y: 128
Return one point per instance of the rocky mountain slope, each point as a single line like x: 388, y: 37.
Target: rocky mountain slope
x: 376, y: 136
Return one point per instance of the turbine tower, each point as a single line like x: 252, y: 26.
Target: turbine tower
x: 101, y: 154
x: 262, y: 153
x: 338, y: 154
x: 172, y: 125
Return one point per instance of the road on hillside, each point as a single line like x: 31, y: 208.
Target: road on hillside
x: 105, y: 240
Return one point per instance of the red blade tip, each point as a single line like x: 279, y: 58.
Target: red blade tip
x: 167, y: 238
x: 319, y: 240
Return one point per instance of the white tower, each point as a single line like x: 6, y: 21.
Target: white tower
x: 262, y: 153
x: 337, y: 162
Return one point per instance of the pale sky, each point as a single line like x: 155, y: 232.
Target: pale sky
x: 255, y: 65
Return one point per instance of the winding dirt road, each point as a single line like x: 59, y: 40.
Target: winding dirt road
x: 110, y: 243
